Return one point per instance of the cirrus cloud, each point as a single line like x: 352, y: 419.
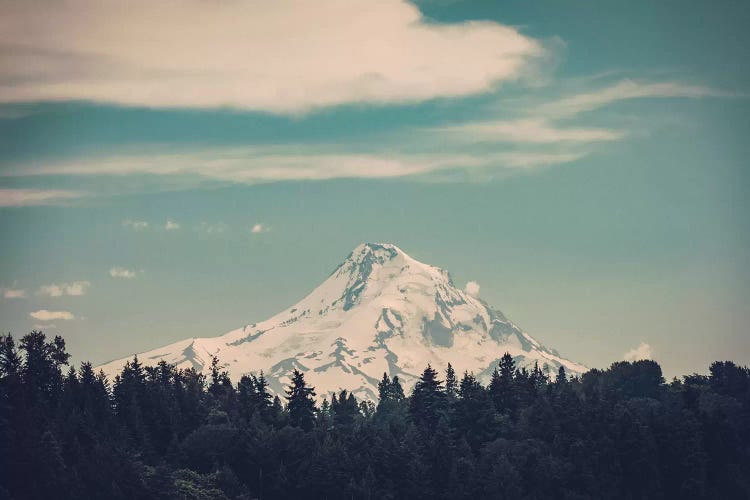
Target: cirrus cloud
x: 284, y: 56
x: 31, y: 197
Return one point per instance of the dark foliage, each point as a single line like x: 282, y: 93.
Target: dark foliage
x: 166, y: 433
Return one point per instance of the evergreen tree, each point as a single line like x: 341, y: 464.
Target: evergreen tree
x: 345, y: 409
x: 397, y: 392
x: 300, y: 402
x: 451, y: 384
x: 502, y: 385
x: 428, y: 402
x: 384, y: 389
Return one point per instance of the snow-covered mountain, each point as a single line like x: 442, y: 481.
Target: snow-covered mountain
x: 379, y: 311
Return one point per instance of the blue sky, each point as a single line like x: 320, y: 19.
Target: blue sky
x: 584, y: 162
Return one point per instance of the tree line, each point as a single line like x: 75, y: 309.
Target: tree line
x: 167, y: 433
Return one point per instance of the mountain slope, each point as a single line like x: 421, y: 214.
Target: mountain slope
x: 379, y: 311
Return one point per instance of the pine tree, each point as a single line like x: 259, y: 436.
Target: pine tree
x: 451, y: 384
x: 261, y: 390
x: 384, y: 389
x: 427, y: 404
x: 300, y: 402
x: 397, y: 392
x: 345, y: 409
x: 247, y: 397
x: 502, y: 385
x: 10, y: 360
x: 324, y: 414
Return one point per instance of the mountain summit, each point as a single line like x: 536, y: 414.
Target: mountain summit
x: 379, y: 311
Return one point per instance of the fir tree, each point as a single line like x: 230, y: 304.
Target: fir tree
x: 427, y: 404
x: 451, y: 384
x: 300, y: 402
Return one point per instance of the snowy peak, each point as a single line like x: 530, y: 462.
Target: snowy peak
x: 379, y: 311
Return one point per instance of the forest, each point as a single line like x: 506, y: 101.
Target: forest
x: 157, y: 432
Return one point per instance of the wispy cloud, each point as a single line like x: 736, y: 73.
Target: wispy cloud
x: 58, y: 290
x: 171, y: 225
x: 253, y: 165
x: 287, y: 56
x: 135, y: 225
x: 643, y: 351
x: 45, y: 315
x: 212, y: 228
x: 623, y: 90
x: 13, y: 293
x: 526, y: 131
x: 31, y: 197
x: 122, y: 273
x: 45, y: 326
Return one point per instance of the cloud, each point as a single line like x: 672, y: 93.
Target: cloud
x: 624, y: 90
x: 57, y: 290
x: 529, y: 130
x: 13, y: 293
x: 535, y: 133
x: 135, y: 225
x: 209, y: 228
x: 31, y: 197
x: 45, y: 315
x: 263, y: 164
x: 643, y: 351
x: 171, y: 225
x: 259, y: 228
x: 122, y: 273
x: 472, y: 288
x: 287, y: 56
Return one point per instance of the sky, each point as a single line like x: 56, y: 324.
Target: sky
x: 179, y: 169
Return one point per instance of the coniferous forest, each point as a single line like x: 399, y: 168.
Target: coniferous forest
x: 163, y: 433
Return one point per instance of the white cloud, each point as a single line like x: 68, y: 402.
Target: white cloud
x: 624, y: 90
x: 13, y: 293
x: 254, y: 165
x: 77, y: 287
x: 45, y: 315
x: 171, y: 225
x: 472, y: 288
x: 259, y: 228
x: 536, y: 134
x: 58, y: 290
x: 135, y: 225
x: 31, y: 197
x: 530, y: 130
x: 122, y: 273
x: 217, y: 228
x: 286, y: 56
x: 643, y: 351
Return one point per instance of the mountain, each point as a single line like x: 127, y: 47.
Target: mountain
x: 379, y: 311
